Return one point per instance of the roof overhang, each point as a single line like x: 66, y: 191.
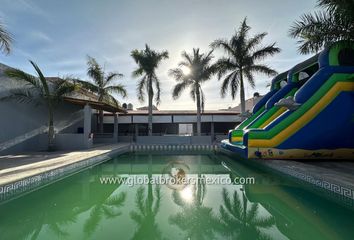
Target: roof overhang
x: 95, y: 105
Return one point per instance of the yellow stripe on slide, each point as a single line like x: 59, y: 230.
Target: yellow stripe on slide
x: 275, y: 115
x: 304, y: 119
x: 236, y: 139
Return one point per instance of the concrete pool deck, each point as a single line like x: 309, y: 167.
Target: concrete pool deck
x: 21, y: 166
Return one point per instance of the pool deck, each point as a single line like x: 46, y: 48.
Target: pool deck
x: 336, y: 177
x: 24, y: 165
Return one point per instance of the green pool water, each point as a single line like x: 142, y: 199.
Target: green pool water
x: 82, y: 207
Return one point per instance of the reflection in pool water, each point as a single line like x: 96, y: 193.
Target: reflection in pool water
x: 80, y: 207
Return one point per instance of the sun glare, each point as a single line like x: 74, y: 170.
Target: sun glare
x: 187, y: 194
x: 186, y: 70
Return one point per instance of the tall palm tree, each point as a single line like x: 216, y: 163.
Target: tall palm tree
x: 316, y: 30
x: 103, y: 85
x: 201, y: 70
x: 240, y: 221
x: 40, y: 91
x: 5, y: 40
x: 148, y: 60
x: 242, y: 61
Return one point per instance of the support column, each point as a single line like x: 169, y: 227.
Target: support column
x: 87, y: 126
x: 212, y: 132
x: 136, y: 131
x: 115, y: 127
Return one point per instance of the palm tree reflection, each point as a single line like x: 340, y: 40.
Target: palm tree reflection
x: 107, y: 209
x: 241, y: 221
x: 195, y: 219
x: 145, y: 217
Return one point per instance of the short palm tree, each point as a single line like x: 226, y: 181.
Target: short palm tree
x: 242, y: 61
x: 103, y: 85
x: 316, y: 30
x: 41, y: 91
x: 5, y: 40
x: 148, y: 60
x: 201, y: 70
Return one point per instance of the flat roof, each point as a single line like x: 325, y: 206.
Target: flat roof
x: 179, y: 112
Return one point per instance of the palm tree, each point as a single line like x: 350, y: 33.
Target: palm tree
x: 148, y: 60
x: 242, y: 61
x: 5, y: 40
x: 316, y: 30
x: 40, y: 91
x: 240, y: 221
x: 201, y: 70
x: 103, y: 85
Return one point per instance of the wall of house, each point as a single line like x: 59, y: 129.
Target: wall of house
x: 23, y: 125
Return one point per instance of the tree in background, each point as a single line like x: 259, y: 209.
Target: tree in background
x: 241, y: 62
x: 200, y: 70
x: 148, y: 61
x: 316, y: 30
x: 103, y: 85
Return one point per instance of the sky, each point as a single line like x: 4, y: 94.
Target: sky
x: 58, y: 36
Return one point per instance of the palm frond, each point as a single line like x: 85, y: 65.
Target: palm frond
x: 176, y: 73
x: 158, y: 90
x: 111, y: 77
x: 314, y: 31
x: 41, y: 78
x: 202, y: 99
x: 178, y: 89
x: 228, y: 81
x: 95, y: 71
x: 22, y: 95
x: 87, y: 85
x: 255, y: 40
x: 140, y: 89
x: 264, y: 52
x: 118, y: 89
x: 5, y: 40
x: 19, y: 75
x: 222, y: 43
x: 63, y: 87
x: 264, y: 69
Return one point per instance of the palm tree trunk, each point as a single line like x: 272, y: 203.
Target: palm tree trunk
x: 199, y: 119
x: 242, y: 94
x: 50, y: 129
x: 101, y: 121
x: 150, y: 107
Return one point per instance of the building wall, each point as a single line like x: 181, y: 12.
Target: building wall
x: 26, y: 123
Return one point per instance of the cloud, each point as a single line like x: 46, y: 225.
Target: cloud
x: 40, y: 36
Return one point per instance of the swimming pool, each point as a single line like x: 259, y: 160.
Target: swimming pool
x: 88, y: 206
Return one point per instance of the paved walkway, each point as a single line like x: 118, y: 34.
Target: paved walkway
x: 19, y: 166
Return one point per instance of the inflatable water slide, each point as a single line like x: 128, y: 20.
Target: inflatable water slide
x: 307, y: 114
